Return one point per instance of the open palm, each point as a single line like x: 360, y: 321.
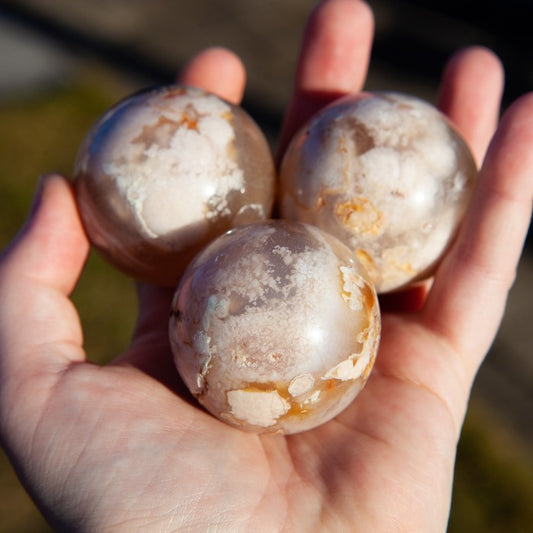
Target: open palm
x: 123, y: 447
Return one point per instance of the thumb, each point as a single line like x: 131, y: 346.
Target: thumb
x: 52, y: 247
x: 39, y: 326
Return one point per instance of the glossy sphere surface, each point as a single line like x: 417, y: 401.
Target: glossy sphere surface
x: 275, y: 327
x: 164, y: 172
x: 388, y: 175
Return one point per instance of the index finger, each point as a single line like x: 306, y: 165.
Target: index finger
x: 216, y: 70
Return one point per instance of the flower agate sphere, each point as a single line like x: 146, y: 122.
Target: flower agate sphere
x: 164, y: 172
x: 388, y: 175
x: 275, y: 327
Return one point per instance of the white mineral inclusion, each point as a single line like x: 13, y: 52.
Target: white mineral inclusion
x: 352, y: 283
x: 275, y: 327
x: 350, y: 368
x: 257, y: 408
x: 166, y: 191
x: 385, y: 173
x: 301, y: 384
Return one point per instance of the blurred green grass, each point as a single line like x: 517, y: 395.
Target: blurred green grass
x: 493, y: 489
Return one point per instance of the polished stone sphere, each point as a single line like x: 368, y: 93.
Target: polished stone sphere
x: 164, y: 172
x: 388, y: 175
x: 275, y: 327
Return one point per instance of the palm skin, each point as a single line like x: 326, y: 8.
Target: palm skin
x: 123, y: 448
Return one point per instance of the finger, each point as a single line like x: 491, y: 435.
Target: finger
x: 333, y: 60
x: 470, y: 95
x: 409, y: 300
x: 216, y: 70
x: 469, y: 293
x: 37, y: 273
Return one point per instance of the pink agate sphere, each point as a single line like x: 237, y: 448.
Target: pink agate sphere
x: 388, y: 175
x: 275, y: 327
x: 164, y: 172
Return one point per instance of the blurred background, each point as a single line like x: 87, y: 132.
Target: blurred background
x: 63, y: 62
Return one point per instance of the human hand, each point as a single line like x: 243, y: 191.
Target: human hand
x: 121, y: 447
